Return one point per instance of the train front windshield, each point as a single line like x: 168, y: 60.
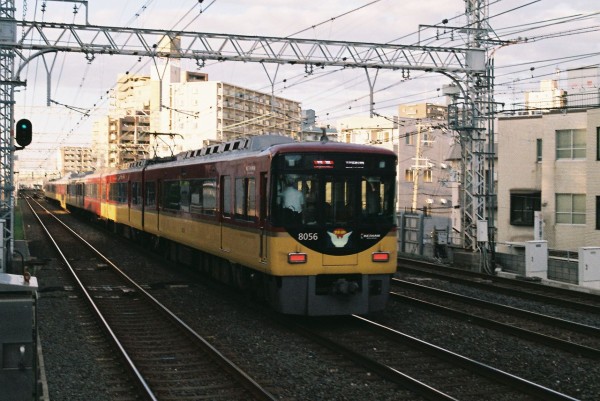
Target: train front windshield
x: 338, y: 204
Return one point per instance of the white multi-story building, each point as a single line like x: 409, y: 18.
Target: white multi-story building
x: 149, y: 118
x: 75, y: 159
x: 549, y: 164
x: 203, y: 111
x: 583, y: 86
x: 548, y: 97
x: 170, y: 111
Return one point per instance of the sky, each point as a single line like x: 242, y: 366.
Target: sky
x: 547, y: 37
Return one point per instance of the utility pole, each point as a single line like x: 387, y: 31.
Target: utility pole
x: 416, y: 168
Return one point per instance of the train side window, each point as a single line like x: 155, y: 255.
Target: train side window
x: 184, y: 197
x: 112, y: 191
x: 150, y: 194
x: 196, y: 196
x: 245, y: 198
x: 136, y: 193
x: 209, y: 196
x: 240, y: 201
x: 203, y: 196
x: 171, y: 196
x: 122, y: 192
x: 251, y: 198
x: 226, y: 196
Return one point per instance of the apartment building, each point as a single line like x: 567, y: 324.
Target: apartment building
x: 149, y: 118
x: 74, y: 159
x: 202, y: 111
x: 549, y: 179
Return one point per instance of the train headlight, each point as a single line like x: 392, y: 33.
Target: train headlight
x: 297, y: 257
x: 380, y: 256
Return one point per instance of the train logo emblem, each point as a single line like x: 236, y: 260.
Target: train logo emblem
x: 339, y: 237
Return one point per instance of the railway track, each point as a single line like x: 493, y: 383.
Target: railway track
x: 165, y: 357
x: 547, y: 330
x: 429, y: 371
x: 576, y: 300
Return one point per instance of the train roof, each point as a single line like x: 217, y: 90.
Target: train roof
x: 272, y: 144
x: 254, y: 145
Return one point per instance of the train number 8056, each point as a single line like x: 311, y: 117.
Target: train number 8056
x: 308, y: 236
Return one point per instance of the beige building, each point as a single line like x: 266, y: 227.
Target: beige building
x: 150, y: 118
x: 550, y: 164
x: 75, y: 159
x: 205, y: 111
x: 548, y: 97
x: 428, y: 111
x: 367, y: 130
x: 123, y: 135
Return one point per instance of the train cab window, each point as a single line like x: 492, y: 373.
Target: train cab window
x: 340, y: 202
x: 377, y: 198
x: 323, y: 199
x: 296, y: 199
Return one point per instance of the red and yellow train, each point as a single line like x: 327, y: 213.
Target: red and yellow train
x: 310, y: 227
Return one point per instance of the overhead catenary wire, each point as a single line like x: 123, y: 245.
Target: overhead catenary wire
x: 284, y: 87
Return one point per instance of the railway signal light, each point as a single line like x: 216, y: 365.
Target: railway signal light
x: 23, y: 132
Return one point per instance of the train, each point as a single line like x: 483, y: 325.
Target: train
x: 309, y: 227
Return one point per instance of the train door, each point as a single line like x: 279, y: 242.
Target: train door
x: 262, y: 216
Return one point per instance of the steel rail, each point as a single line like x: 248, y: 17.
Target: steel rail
x: 143, y: 385
x: 493, y: 283
x: 506, y: 328
x: 479, y: 368
x: 247, y: 382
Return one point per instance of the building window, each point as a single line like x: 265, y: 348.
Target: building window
x: 570, y: 144
x: 538, y: 150
x: 570, y: 209
x: 410, y: 138
x: 427, y: 175
x: 523, y: 206
x: 409, y: 175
